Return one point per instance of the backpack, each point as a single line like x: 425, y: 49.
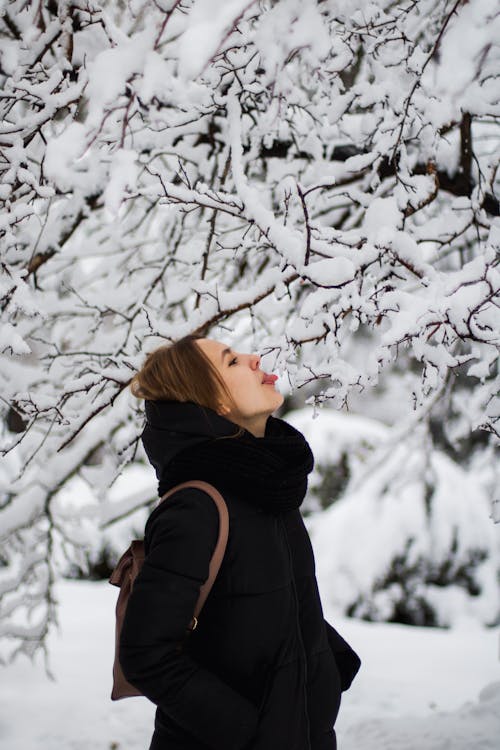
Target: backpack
x: 129, y: 565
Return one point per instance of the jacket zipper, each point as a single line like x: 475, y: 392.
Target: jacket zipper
x: 299, y: 632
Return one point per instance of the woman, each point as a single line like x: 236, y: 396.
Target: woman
x: 263, y: 670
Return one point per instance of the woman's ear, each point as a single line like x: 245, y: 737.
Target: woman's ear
x: 223, y: 409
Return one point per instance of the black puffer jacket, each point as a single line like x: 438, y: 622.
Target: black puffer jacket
x: 263, y: 670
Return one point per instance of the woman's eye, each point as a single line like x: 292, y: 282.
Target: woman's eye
x: 234, y: 361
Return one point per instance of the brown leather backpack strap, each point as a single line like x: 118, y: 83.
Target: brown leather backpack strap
x: 220, y: 546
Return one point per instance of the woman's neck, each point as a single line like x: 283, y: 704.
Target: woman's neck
x: 255, y: 425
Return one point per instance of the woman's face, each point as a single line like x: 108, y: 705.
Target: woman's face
x: 252, y: 389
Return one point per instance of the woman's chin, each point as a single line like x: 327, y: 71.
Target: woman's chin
x: 279, y: 400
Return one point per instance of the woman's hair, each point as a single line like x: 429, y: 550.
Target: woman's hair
x: 181, y: 372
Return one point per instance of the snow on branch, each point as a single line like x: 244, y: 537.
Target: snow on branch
x: 318, y: 178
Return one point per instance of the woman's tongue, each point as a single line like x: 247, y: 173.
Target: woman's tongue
x: 269, y: 379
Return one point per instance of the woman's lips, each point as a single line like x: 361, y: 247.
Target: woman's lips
x: 269, y: 379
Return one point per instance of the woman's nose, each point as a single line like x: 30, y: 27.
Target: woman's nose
x: 254, y: 361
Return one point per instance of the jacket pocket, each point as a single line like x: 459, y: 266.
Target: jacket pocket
x: 282, y: 716
x: 324, y: 692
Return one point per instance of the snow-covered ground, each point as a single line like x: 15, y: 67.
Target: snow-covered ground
x: 419, y: 688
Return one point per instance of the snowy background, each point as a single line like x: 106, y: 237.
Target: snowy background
x: 418, y: 688
x: 314, y: 181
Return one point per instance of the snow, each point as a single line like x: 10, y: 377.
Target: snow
x: 380, y: 214
x: 122, y: 174
x: 209, y: 22
x: 381, y: 515
x: 460, y: 50
x: 10, y: 339
x: 418, y: 688
x: 62, y: 154
x: 110, y: 70
x: 330, y: 272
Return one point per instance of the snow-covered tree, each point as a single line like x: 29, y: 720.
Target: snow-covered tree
x: 309, y: 178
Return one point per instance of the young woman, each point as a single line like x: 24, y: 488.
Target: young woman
x: 263, y: 670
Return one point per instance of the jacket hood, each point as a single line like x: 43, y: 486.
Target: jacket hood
x: 174, y: 426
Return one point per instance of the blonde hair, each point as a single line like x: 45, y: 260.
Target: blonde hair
x: 181, y: 372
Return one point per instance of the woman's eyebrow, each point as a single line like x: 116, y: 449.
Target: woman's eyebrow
x: 224, y: 352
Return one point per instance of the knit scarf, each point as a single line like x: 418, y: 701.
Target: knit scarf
x: 269, y: 472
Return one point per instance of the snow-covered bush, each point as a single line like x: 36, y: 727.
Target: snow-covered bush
x: 410, y: 540
x: 311, y: 179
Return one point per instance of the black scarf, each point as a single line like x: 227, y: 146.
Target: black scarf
x: 270, y: 472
